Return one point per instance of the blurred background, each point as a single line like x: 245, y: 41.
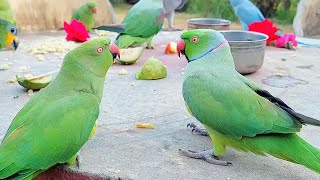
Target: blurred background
x: 301, y: 17
x: 282, y: 12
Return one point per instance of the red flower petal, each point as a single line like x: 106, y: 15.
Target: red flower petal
x: 286, y: 40
x: 76, y: 31
x: 265, y: 27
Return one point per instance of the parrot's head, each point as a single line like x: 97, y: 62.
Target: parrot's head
x: 92, y: 6
x: 235, y: 2
x: 197, y: 43
x: 8, y: 35
x: 95, y: 56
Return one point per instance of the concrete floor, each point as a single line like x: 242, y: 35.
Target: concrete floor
x: 119, y: 149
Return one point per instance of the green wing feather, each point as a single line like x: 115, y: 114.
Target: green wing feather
x: 233, y: 109
x: 145, y: 19
x: 59, y: 128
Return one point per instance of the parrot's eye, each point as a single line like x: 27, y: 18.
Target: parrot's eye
x: 194, y: 39
x: 13, y: 30
x: 100, y: 50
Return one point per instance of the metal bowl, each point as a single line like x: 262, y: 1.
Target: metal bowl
x: 209, y: 23
x: 247, y: 48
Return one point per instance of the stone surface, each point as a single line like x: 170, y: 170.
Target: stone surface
x: 50, y: 14
x: 119, y: 149
x: 307, y: 20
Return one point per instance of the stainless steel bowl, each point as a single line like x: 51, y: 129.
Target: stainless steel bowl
x: 209, y: 23
x: 247, y: 48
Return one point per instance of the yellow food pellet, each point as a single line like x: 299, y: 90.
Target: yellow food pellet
x: 12, y: 80
x: 123, y: 72
x: 145, y: 125
x: 30, y: 92
x: 4, y: 67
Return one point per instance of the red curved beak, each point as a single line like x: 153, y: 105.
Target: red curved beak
x: 115, y: 51
x: 94, y: 10
x: 181, y: 45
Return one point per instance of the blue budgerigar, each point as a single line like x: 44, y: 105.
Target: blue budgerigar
x: 247, y: 12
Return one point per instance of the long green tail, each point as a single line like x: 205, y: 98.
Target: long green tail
x: 289, y: 147
x: 113, y: 28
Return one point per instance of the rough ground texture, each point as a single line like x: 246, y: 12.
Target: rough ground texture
x: 118, y: 149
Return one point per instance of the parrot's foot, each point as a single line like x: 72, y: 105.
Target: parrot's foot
x: 172, y: 29
x: 150, y: 47
x: 197, y: 130
x: 205, y: 155
x: 78, y: 160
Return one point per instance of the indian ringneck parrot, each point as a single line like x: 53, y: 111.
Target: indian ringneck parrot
x: 8, y: 35
x: 143, y: 22
x: 237, y: 112
x: 86, y: 15
x: 6, y: 12
x: 169, y: 7
x: 248, y: 13
x: 52, y: 127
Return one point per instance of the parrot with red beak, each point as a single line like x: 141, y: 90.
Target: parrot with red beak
x: 236, y: 111
x: 86, y: 14
x: 54, y: 125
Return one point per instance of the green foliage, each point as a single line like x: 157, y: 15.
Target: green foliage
x: 286, y: 16
x: 212, y: 8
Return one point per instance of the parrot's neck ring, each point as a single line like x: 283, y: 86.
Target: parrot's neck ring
x: 224, y: 42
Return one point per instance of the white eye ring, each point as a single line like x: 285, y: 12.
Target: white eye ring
x: 194, y: 39
x: 100, y: 50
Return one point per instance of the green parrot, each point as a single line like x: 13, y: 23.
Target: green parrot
x: 143, y: 22
x: 8, y: 35
x: 52, y: 127
x: 237, y: 112
x: 6, y: 12
x: 86, y: 15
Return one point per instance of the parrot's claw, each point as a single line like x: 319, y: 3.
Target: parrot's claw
x: 78, y: 160
x: 150, y: 47
x: 205, y: 155
x: 197, y: 130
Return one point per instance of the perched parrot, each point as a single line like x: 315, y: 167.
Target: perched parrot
x: 236, y: 112
x: 86, y: 15
x: 247, y: 12
x: 8, y: 35
x: 6, y: 12
x: 144, y: 20
x: 53, y: 126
